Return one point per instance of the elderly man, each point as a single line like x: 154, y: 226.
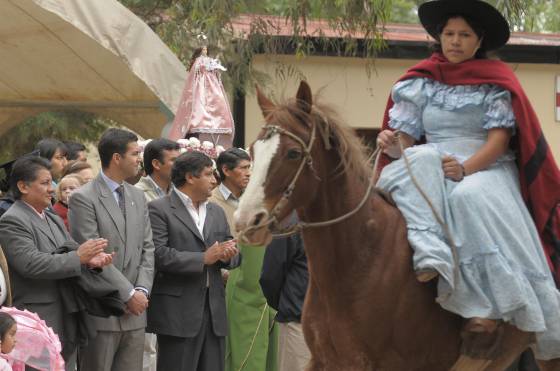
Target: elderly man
x: 234, y: 167
x: 30, y: 236
x: 192, y: 241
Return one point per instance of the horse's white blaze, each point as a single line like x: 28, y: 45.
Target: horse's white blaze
x: 253, y: 197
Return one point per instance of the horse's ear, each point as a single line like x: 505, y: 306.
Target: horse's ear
x: 266, y: 104
x: 304, y: 98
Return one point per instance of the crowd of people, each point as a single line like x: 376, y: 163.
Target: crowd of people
x: 130, y: 272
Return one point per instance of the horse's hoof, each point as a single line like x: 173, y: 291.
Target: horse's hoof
x: 425, y: 275
x: 481, y: 325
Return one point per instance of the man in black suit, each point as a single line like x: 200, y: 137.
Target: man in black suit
x: 192, y: 243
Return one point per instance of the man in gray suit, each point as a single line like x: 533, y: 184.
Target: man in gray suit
x: 30, y: 237
x: 187, y: 309
x: 109, y: 207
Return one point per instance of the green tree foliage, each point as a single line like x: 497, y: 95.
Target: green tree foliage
x: 178, y: 22
x: 64, y: 125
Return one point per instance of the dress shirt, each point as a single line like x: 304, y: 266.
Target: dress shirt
x: 159, y: 191
x: 228, y: 195
x: 112, y: 186
x: 39, y: 214
x: 198, y: 215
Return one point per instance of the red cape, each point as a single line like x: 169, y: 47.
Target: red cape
x: 538, y: 173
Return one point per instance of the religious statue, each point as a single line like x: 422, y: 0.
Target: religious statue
x: 204, y: 110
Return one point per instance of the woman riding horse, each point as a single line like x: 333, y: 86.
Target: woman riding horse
x: 469, y: 109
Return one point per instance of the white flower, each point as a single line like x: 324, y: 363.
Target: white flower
x: 194, y: 142
x: 183, y: 143
x: 207, y: 145
x: 142, y: 144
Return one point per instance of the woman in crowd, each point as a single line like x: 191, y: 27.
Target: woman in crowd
x: 468, y: 108
x: 54, y: 151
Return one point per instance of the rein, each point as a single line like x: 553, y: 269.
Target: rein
x: 307, y: 159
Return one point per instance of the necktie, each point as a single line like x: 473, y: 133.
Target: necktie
x: 120, y: 193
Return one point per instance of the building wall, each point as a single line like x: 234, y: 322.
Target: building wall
x: 361, y: 101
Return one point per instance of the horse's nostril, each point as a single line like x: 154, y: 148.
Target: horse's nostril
x: 258, y: 218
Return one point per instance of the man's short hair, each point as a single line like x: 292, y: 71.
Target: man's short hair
x: 189, y: 162
x: 73, y: 149
x: 154, y: 151
x: 230, y: 158
x: 25, y: 170
x: 47, y: 148
x: 114, y: 141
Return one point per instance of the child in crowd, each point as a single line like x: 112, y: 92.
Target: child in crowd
x: 65, y: 187
x: 8, y: 329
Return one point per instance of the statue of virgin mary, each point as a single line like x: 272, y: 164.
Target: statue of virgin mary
x: 204, y: 110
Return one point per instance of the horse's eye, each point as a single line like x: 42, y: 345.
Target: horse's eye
x: 294, y: 154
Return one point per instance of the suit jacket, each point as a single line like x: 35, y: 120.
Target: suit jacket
x: 218, y: 198
x: 93, y: 213
x: 179, y: 293
x: 29, y: 243
x: 148, y: 187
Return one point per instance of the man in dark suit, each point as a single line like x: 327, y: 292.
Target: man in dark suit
x: 187, y: 309
x: 30, y: 237
x: 109, y: 207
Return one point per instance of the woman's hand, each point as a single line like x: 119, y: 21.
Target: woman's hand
x: 452, y: 168
x: 388, y: 141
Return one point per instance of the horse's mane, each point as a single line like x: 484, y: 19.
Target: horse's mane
x: 342, y: 137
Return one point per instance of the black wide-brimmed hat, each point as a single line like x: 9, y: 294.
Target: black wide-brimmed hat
x: 496, y: 28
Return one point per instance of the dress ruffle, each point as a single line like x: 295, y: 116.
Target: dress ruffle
x: 411, y: 96
x: 500, y: 289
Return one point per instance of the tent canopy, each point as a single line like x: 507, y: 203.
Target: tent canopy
x: 94, y: 56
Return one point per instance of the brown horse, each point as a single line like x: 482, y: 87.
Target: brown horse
x: 364, y: 308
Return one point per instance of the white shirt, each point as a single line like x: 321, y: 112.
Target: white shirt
x: 39, y: 214
x: 198, y: 215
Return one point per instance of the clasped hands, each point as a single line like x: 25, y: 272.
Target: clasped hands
x: 91, y: 253
x: 138, y: 303
x: 388, y: 142
x: 222, y: 251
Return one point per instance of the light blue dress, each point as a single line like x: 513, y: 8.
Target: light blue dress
x: 503, y: 272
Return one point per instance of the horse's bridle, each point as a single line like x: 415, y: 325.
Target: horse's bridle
x: 307, y: 159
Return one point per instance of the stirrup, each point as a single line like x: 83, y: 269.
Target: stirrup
x: 481, y: 325
x: 425, y: 275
